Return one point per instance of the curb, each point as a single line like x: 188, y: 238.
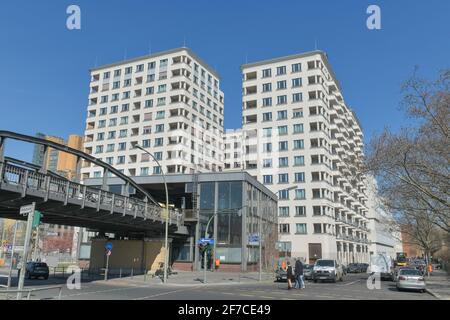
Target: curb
x: 434, y: 294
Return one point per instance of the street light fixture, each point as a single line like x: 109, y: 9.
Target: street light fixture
x: 166, y: 236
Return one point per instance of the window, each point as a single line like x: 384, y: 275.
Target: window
x: 146, y: 143
x: 163, y: 63
x: 97, y: 174
x: 300, y: 211
x: 283, y: 162
x: 151, y: 65
x: 103, y: 111
x: 148, y: 103
x: 267, y: 73
x: 284, y: 227
x: 282, y: 99
x: 296, y: 67
x: 144, y: 171
x: 281, y: 70
x: 147, y: 130
x: 100, y: 136
x: 106, y: 75
x: 127, y: 83
x: 122, y: 146
x: 267, y: 147
x: 120, y: 160
x: 298, y: 128
x: 161, y: 101
x: 162, y: 88
x: 158, y: 155
x: 267, y: 102
x: 283, y: 211
x: 299, y: 177
x: 300, y: 194
x: 140, y: 68
x: 117, y: 73
x: 297, y: 97
x: 300, y: 228
x: 282, y: 145
x: 267, y: 116
x: 267, y: 87
x: 113, y: 122
x: 157, y: 170
x: 128, y: 70
x: 123, y: 120
x: 282, y: 115
x: 126, y: 95
x: 111, y: 135
x: 267, y: 179
x: 149, y: 90
x: 297, y: 113
x: 158, y: 142
x: 125, y: 107
x: 297, y: 82
x: 267, y: 132
x: 283, y: 194
x: 283, y: 178
x: 281, y: 85
x: 123, y: 133
x: 109, y: 160
x: 299, y: 144
x: 282, y: 130
x: 102, y: 123
x: 98, y: 149
x: 317, y: 228
x: 116, y: 84
x: 267, y: 163
x: 150, y: 78
x: 159, y: 128
x: 160, y: 115
x: 110, y: 147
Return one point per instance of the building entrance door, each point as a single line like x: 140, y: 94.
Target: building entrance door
x: 315, y: 252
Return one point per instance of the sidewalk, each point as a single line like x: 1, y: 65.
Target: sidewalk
x: 438, y: 285
x: 189, y: 278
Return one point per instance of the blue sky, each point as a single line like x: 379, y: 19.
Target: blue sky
x: 44, y: 67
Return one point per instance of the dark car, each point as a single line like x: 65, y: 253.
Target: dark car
x: 280, y: 275
x: 36, y: 270
x: 354, y: 268
x: 364, y: 267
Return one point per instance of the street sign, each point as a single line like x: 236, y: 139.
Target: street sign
x: 206, y: 241
x: 37, y: 218
x: 26, y: 210
x: 109, y: 246
x: 253, y: 239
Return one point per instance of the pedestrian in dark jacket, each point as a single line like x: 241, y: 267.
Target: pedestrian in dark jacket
x: 299, y: 281
x: 289, y: 275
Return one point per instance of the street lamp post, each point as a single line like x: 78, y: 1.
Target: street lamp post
x: 166, y: 236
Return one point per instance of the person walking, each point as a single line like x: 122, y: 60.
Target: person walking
x: 299, y: 283
x: 289, y: 275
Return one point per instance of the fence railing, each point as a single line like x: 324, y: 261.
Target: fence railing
x: 28, y: 292
x: 67, y: 190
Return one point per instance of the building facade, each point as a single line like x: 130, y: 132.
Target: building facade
x: 302, y: 141
x: 233, y: 149
x: 169, y: 103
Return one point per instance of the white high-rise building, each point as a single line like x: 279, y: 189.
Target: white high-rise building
x: 233, y: 149
x: 302, y: 141
x: 168, y: 102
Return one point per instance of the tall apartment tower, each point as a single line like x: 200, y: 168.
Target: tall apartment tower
x: 302, y: 141
x: 170, y: 103
x: 233, y: 149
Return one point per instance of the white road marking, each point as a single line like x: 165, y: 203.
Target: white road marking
x: 166, y: 293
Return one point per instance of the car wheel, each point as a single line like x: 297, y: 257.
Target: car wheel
x: 334, y: 280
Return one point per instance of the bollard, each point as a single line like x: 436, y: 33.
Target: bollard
x: 132, y: 272
x: 145, y: 275
x: 120, y: 273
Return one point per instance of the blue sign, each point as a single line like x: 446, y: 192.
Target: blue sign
x: 109, y: 246
x: 206, y: 240
x: 253, y: 239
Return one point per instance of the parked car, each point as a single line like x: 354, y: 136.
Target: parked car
x: 327, y: 269
x: 36, y: 270
x: 281, y: 275
x: 354, y: 268
x: 364, y: 267
x: 410, y: 279
x: 307, y: 271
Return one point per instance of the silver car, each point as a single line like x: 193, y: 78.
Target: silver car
x: 327, y: 269
x: 410, y: 279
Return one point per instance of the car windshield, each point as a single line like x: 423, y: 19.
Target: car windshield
x: 409, y: 272
x: 325, y: 263
x: 40, y: 265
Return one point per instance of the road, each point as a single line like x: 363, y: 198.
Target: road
x: 352, y: 288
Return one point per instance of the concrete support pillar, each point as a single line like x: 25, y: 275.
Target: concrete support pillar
x: 105, y: 180
x: 78, y: 170
x: 44, y: 166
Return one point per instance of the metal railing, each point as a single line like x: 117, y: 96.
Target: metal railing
x: 66, y: 190
x: 28, y: 292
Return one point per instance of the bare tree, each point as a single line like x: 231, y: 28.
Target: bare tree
x: 413, y: 166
